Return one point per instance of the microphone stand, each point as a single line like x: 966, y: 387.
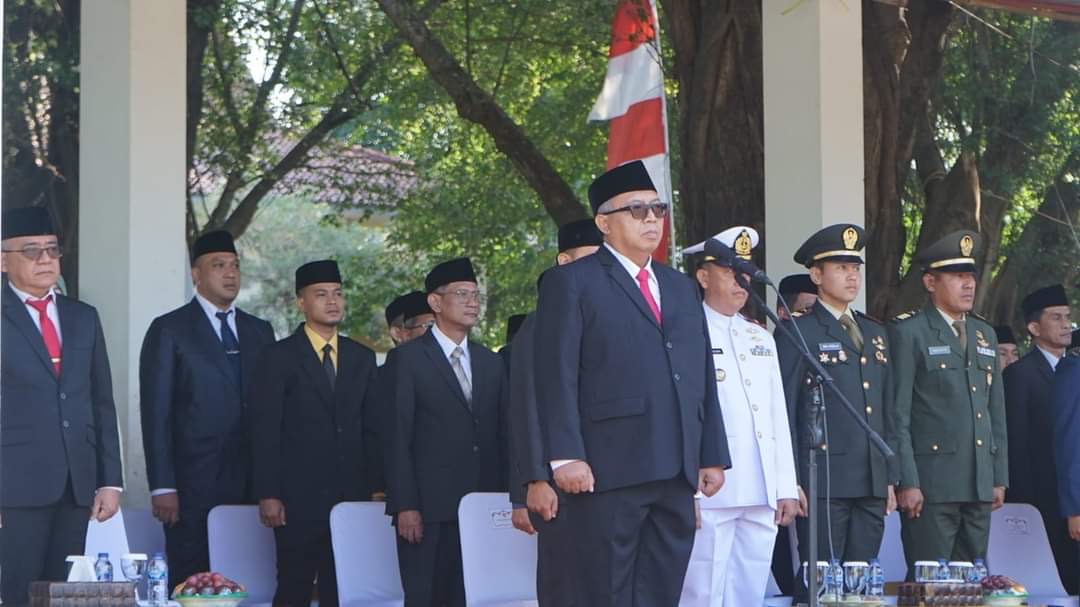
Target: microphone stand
x: 823, y: 381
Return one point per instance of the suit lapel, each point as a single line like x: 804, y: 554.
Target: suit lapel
x: 1042, y: 364
x: 438, y: 359
x: 944, y: 331
x: 311, y: 364
x: 16, y: 312
x: 249, y: 353
x: 663, y: 279
x: 209, y: 341
x: 621, y: 277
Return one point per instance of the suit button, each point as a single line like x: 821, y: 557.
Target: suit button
x: 668, y: 345
x: 63, y: 396
x: 866, y: 385
x: 340, y: 430
x: 754, y: 407
x: 825, y: 447
x: 65, y: 424
x: 476, y: 448
x: 734, y: 332
x: 933, y: 447
x: 869, y: 409
x: 942, y: 365
x: 978, y: 442
x: 676, y: 377
x: 759, y: 435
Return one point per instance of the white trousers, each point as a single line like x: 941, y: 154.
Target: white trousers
x: 732, y: 558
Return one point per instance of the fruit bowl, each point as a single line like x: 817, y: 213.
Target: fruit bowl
x: 209, y: 589
x: 231, y: 600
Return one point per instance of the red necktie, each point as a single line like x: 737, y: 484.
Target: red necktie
x: 643, y: 284
x: 48, y: 330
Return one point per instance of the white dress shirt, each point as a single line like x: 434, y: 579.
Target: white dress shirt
x: 50, y: 311
x: 1050, y: 357
x: 751, y: 395
x: 447, y: 345
x: 211, y: 314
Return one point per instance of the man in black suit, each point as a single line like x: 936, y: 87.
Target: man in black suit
x: 195, y: 370
x: 1029, y: 414
x: 311, y: 405
x: 531, y: 492
x: 408, y: 317
x: 1007, y: 351
x: 59, y: 445
x: 627, y: 404
x: 448, y: 438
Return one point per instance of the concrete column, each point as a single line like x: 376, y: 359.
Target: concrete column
x: 132, y: 262
x: 813, y: 123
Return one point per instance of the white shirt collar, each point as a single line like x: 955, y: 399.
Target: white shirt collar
x: 631, y: 267
x: 23, y: 295
x: 722, y: 321
x: 1050, y: 357
x: 447, y: 345
x: 835, y: 312
x: 949, y: 320
x: 212, y: 310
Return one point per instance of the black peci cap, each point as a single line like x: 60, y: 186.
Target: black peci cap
x: 629, y: 177
x: 216, y: 241
x: 316, y: 272
x: 581, y: 233
x: 1046, y: 297
x: 28, y: 221
x: 797, y: 283
x: 454, y: 270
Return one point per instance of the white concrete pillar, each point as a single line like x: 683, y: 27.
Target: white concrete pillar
x: 813, y: 123
x: 132, y: 254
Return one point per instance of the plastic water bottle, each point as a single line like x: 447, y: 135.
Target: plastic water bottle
x: 103, y: 568
x: 979, y: 571
x: 943, y: 574
x: 877, y: 579
x: 834, y: 579
x: 157, y: 573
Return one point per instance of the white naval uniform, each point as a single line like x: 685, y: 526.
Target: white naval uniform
x: 732, y: 555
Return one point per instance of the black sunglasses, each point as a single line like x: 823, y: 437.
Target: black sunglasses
x: 640, y: 211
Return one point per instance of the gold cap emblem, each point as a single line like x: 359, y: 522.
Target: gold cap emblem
x: 851, y: 238
x: 967, y: 244
x: 743, y: 245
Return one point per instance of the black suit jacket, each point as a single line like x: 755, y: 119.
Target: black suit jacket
x: 441, y: 447
x: 55, y: 427
x: 194, y: 434
x: 308, y: 440
x: 1029, y: 415
x: 857, y: 468
x: 527, y: 460
x: 635, y: 399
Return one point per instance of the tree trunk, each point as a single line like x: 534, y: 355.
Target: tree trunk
x: 718, y: 65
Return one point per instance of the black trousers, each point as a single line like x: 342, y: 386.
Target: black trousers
x: 782, y: 569
x: 1064, y: 548
x: 553, y: 582
x: 857, y: 524
x: 304, y: 552
x: 35, y: 544
x: 186, y: 546
x: 431, y: 570
x: 630, y: 546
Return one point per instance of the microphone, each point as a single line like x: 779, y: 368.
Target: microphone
x: 723, y: 253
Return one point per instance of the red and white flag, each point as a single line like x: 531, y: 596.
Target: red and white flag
x: 633, y: 102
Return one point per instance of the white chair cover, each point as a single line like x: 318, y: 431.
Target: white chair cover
x: 365, y: 556
x: 499, y: 561
x: 242, y: 549
x: 1019, y: 548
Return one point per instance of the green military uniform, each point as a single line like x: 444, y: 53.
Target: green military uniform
x: 858, y: 361
x: 949, y: 412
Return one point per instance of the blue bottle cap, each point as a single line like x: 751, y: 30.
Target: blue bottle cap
x: 103, y: 555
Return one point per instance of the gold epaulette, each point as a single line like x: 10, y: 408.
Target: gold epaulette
x: 906, y: 315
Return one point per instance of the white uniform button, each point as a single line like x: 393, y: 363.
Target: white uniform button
x: 747, y: 382
x: 869, y: 409
x: 742, y: 357
x: 754, y: 407
x: 978, y: 442
x: 759, y: 435
x: 866, y: 385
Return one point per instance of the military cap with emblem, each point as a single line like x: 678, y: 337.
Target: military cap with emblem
x: 740, y: 239
x: 581, y: 233
x: 797, y: 283
x: 841, y: 242
x: 453, y: 270
x: 315, y: 272
x: 629, y: 177
x: 215, y: 241
x: 952, y: 253
x: 1005, y: 334
x: 1040, y: 299
x: 28, y: 221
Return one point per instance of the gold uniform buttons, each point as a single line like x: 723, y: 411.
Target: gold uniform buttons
x: 866, y: 385
x: 978, y: 415
x: 862, y: 359
x: 973, y: 389
x: 978, y: 442
x: 934, y: 447
x: 869, y: 409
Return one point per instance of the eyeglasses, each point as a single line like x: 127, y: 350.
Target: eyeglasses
x: 424, y: 325
x: 33, y: 252
x: 465, y: 295
x: 640, y: 210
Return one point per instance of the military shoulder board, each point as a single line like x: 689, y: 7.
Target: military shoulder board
x: 906, y: 315
x: 798, y: 314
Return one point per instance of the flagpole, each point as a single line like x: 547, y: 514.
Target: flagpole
x: 673, y: 257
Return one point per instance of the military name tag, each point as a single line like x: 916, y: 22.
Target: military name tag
x: 939, y: 350
x: 986, y: 351
x: 760, y: 351
x: 832, y: 346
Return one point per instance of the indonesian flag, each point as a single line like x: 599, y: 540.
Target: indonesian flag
x: 632, y: 100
